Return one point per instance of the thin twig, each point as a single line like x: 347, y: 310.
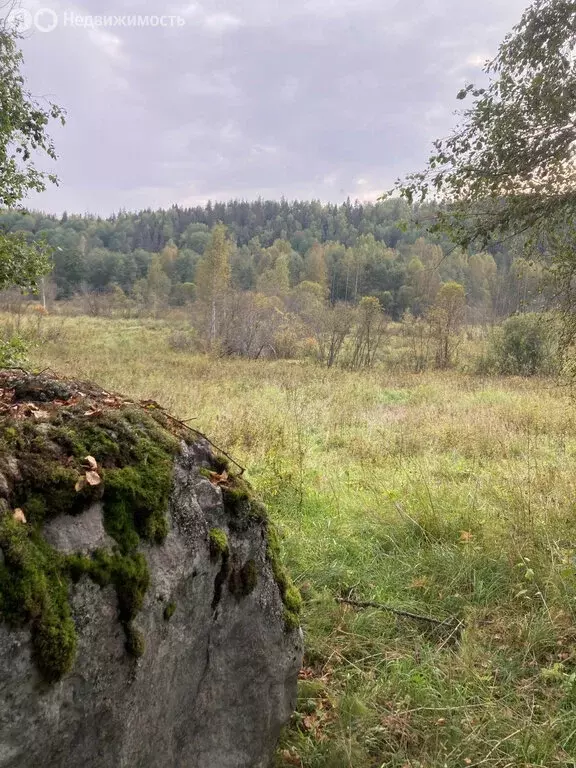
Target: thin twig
x: 449, y: 622
x: 200, y: 434
x: 220, y: 450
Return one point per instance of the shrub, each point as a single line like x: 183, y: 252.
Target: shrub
x: 184, y: 341
x: 525, y: 345
x: 13, y: 352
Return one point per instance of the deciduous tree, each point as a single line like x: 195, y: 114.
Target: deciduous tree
x: 23, y: 136
x: 509, y: 167
x: 213, y: 276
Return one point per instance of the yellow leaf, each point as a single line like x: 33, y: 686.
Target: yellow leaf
x: 19, y: 515
x: 93, y: 478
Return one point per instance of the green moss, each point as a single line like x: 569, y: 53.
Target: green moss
x: 55, y: 643
x: 218, y: 543
x: 32, y: 591
x: 135, y: 458
x: 289, y: 593
x: 293, y: 600
x: 169, y: 611
x: 135, y: 643
x: 127, y: 573
x: 9, y: 436
x: 242, y: 581
x: 235, y: 496
x: 135, y: 502
x: 239, y: 502
x: 291, y: 620
x: 221, y: 464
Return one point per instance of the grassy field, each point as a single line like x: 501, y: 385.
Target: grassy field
x: 441, y: 494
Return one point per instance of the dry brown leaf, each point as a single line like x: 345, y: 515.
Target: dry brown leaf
x: 93, y: 478
x: 19, y: 515
x: 466, y: 536
x: 309, y: 722
x: 217, y: 478
x: 38, y: 414
x: 419, y: 583
x: 306, y: 673
x: 91, y: 462
x: 289, y: 758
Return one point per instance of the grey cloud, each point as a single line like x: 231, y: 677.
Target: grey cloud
x: 313, y: 98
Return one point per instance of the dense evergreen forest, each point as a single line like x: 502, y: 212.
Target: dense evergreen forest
x: 352, y: 250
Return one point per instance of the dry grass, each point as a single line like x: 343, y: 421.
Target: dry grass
x: 444, y: 494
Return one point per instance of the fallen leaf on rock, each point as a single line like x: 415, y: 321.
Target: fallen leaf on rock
x: 19, y: 515
x: 93, y: 478
x: 91, y: 462
x: 95, y: 412
x: 217, y: 478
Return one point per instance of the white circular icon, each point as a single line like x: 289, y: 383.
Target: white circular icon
x: 20, y: 19
x: 45, y: 20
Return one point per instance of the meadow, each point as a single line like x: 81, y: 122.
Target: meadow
x: 443, y: 494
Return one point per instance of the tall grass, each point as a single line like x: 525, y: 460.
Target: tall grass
x: 442, y: 494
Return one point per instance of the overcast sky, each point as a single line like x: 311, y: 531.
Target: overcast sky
x: 245, y: 98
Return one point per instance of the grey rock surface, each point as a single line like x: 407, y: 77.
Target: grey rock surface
x: 215, y: 684
x: 78, y: 533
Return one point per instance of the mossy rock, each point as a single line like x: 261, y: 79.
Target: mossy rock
x: 218, y: 543
x: 44, y: 452
x: 288, y: 591
x: 169, y: 610
x: 242, y: 580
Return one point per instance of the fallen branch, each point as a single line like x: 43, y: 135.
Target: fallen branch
x: 450, y: 622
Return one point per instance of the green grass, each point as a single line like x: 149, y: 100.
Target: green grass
x: 443, y: 494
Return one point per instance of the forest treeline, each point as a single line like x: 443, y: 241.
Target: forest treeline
x: 351, y: 251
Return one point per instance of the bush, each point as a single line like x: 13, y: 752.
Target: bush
x: 13, y: 352
x: 184, y: 341
x: 525, y: 345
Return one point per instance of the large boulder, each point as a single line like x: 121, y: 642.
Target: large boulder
x: 145, y: 617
